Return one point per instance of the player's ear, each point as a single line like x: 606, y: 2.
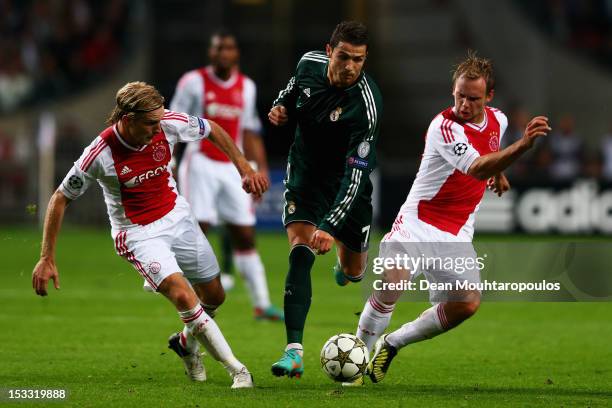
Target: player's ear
x: 328, y: 50
x: 125, y: 120
x: 490, y: 95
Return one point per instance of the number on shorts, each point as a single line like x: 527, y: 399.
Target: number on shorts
x: 366, y: 229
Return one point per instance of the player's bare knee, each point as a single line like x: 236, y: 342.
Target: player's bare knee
x: 216, y: 298
x: 183, y: 299
x: 242, y: 237
x: 244, y: 243
x: 210, y: 293
x: 467, y: 309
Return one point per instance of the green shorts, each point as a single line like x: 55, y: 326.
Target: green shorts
x: 312, y: 208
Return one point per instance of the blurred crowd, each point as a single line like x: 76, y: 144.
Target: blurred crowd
x: 562, y: 156
x: 583, y: 25
x: 50, y: 47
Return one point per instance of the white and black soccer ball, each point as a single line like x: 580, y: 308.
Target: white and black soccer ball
x: 344, y: 358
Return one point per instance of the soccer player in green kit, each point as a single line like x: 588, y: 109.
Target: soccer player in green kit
x: 337, y: 107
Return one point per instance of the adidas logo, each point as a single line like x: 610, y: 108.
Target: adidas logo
x: 125, y: 170
x: 307, y: 92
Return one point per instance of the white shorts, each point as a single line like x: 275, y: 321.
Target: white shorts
x: 441, y: 256
x: 174, y: 243
x: 214, y: 190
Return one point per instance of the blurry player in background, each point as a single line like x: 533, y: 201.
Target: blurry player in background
x: 328, y: 196
x: 207, y: 178
x: 151, y: 224
x: 460, y: 160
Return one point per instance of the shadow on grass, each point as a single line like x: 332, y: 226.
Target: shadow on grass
x: 421, y: 390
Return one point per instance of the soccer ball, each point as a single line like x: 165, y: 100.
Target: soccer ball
x: 344, y: 358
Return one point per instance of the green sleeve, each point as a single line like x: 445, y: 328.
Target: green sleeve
x: 288, y: 96
x: 360, y: 162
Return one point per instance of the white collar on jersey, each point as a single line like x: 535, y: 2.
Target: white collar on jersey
x: 478, y: 126
x: 123, y: 142
x: 231, y: 81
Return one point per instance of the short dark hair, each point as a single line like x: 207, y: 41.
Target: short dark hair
x: 352, y: 32
x: 223, y: 33
x: 474, y: 67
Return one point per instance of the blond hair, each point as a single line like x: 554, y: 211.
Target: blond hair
x: 133, y: 99
x: 474, y: 67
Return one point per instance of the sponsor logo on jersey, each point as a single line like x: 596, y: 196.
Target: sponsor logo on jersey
x: 154, y: 267
x: 75, y: 182
x: 159, y: 152
x: 125, y: 170
x: 460, y: 149
x: 494, y: 142
x: 223, y: 111
x: 307, y: 92
x: 290, y: 207
x: 363, y: 149
x: 193, y: 122
x: 141, y: 178
x: 357, y: 162
x: 335, y: 114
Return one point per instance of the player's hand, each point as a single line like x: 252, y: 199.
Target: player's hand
x: 278, y: 115
x: 499, y: 184
x: 258, y: 198
x: 321, y: 242
x: 536, y: 127
x: 44, y: 270
x: 255, y: 183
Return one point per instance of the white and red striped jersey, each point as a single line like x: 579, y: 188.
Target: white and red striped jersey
x: 230, y: 103
x: 137, y: 183
x: 443, y: 194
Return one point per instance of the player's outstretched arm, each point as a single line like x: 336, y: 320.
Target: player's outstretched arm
x: 491, y: 164
x: 252, y: 182
x: 45, y: 269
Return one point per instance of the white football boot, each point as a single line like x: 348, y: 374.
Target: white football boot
x: 243, y: 379
x: 194, y: 369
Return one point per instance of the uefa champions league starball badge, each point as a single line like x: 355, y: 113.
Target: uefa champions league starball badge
x: 460, y: 149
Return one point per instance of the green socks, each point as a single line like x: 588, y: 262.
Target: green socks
x: 298, y: 291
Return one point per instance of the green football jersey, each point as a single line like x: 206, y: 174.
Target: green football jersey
x: 337, y: 129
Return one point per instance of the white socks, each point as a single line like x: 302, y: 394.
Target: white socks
x: 252, y: 270
x: 373, y: 321
x: 429, y: 324
x: 297, y: 347
x: 203, y: 327
x: 189, y: 342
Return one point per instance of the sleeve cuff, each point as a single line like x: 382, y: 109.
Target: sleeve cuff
x: 469, y: 160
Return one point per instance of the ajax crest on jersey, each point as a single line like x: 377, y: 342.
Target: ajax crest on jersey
x: 344, y: 358
x: 159, y: 152
x: 363, y: 149
x: 494, y: 142
x: 335, y: 114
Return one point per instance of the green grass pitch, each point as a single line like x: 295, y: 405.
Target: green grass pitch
x: 104, y: 340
